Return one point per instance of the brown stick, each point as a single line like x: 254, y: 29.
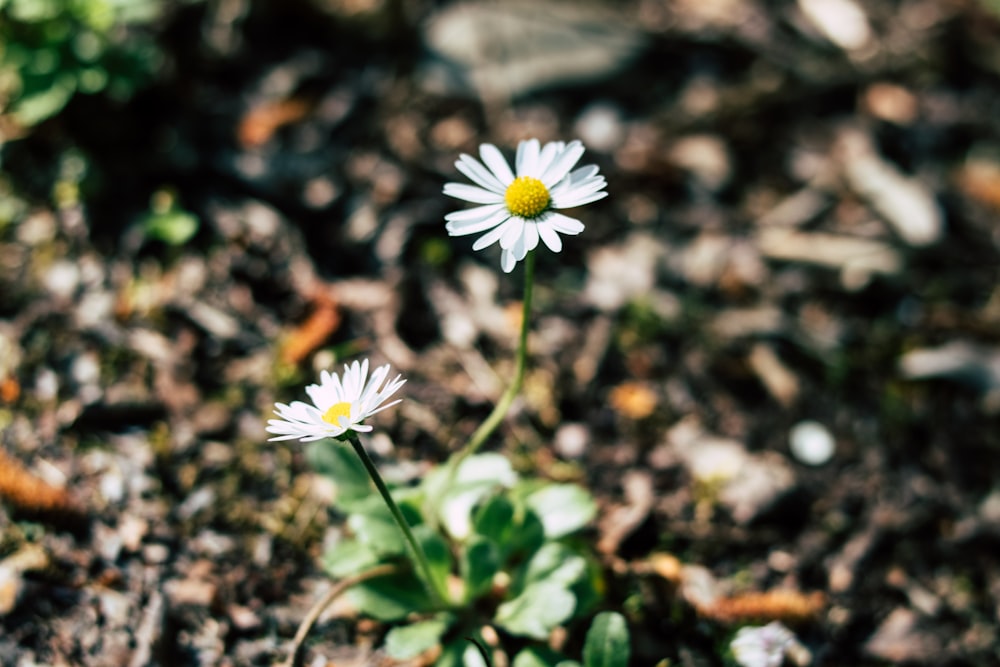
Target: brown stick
x: 317, y: 609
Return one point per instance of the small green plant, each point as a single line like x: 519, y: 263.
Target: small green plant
x: 475, y: 544
x: 498, y: 545
x: 52, y: 49
x: 167, y: 221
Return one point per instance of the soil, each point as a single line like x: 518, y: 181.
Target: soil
x: 798, y: 229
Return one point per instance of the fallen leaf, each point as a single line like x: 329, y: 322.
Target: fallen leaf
x: 30, y: 494
x: 312, y: 333
x: 634, y: 400
x: 260, y: 123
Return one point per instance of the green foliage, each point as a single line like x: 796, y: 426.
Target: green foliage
x: 408, y: 641
x: 52, y: 49
x: 607, y: 643
x: 167, y: 222
x: 502, y: 546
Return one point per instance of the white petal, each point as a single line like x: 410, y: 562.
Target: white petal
x: 549, y: 153
x: 527, y: 241
x: 550, y: 237
x: 507, y: 261
x: 563, y: 163
x: 474, y: 213
x: 492, y: 236
x: 476, y: 172
x: 583, y: 173
x: 568, y: 184
x: 568, y: 190
x: 570, y: 202
x: 387, y: 405
x: 531, y: 235
x: 372, y: 386
x: 283, y: 437
x: 494, y: 159
x: 526, y: 162
x: 472, y: 193
x: 462, y: 228
x: 354, y: 380
x: 514, y: 231
x: 565, y: 224
x: 327, y: 392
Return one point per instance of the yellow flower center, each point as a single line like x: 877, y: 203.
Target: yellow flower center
x: 336, y: 411
x: 527, y: 197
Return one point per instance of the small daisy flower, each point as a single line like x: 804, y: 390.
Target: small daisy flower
x: 763, y: 646
x: 338, y: 405
x: 518, y: 210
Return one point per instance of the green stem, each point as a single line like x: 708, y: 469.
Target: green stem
x: 503, y: 405
x: 416, y: 551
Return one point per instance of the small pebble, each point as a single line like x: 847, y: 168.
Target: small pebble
x: 154, y: 554
x: 571, y: 440
x: 811, y: 443
x: 601, y: 128
x: 11, y: 585
x: 62, y: 279
x: 86, y: 369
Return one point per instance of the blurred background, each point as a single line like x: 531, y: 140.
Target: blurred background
x: 774, y: 353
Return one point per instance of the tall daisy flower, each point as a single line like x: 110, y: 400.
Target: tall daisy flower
x: 518, y: 210
x: 340, y: 405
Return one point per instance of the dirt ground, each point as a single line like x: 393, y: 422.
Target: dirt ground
x: 709, y: 310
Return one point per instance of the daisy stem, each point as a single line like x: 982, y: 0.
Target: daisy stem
x: 416, y: 551
x: 503, y: 405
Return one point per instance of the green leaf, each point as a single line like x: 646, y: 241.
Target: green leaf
x: 495, y: 519
x: 439, y: 558
x: 540, y: 608
x: 172, y: 227
x: 480, y: 561
x: 607, y: 643
x: 373, y: 525
x: 562, y: 508
x: 390, y: 598
x: 35, y: 107
x: 34, y: 11
x: 348, y: 557
x: 555, y: 563
x: 338, y: 461
x: 476, y: 478
x: 460, y: 653
x: 409, y: 641
x: 528, y: 537
x: 539, y: 657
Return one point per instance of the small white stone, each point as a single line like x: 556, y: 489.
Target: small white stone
x: 62, y: 279
x: 843, y: 22
x: 11, y: 585
x: 811, y: 443
x: 600, y: 127
x: 572, y: 440
x: 86, y: 369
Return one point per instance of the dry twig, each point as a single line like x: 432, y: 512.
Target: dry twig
x: 317, y: 609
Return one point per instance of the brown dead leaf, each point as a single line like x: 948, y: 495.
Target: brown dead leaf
x: 785, y: 605
x: 260, y: 123
x: 312, y: 333
x: 30, y: 494
x: 10, y: 390
x: 980, y: 180
x: 634, y: 400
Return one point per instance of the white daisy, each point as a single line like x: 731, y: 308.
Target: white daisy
x: 338, y: 405
x: 519, y: 210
